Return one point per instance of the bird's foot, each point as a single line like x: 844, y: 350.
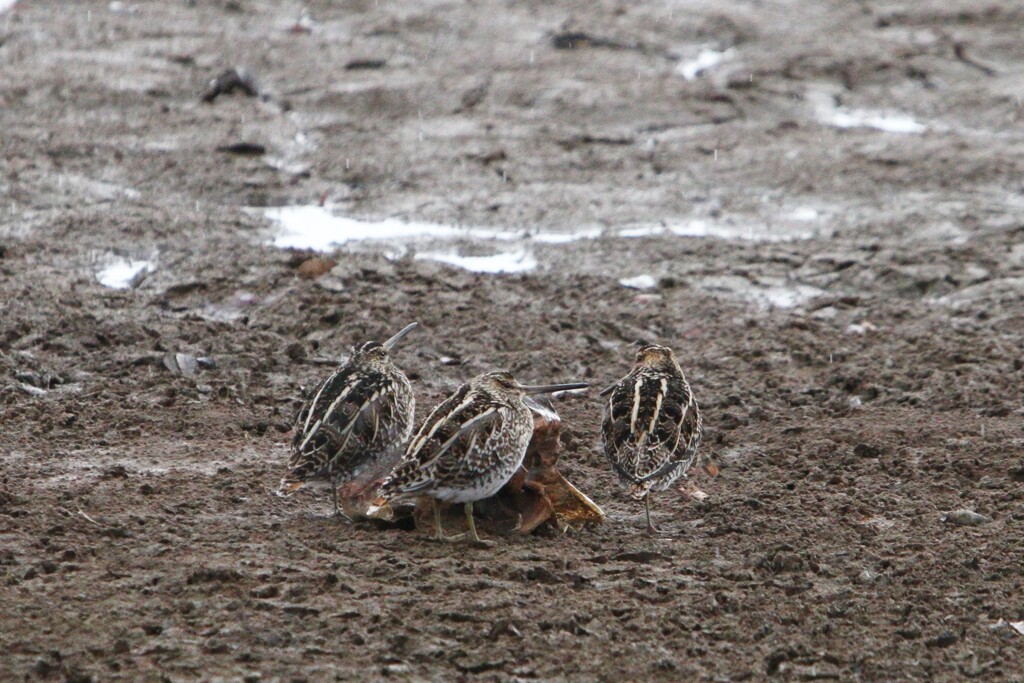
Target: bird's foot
x: 651, y: 529
x: 442, y: 538
x: 471, y: 525
x: 338, y: 512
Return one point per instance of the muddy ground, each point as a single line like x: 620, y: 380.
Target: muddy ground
x: 859, y: 381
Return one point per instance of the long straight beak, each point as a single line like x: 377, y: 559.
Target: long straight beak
x: 551, y: 388
x: 398, y: 337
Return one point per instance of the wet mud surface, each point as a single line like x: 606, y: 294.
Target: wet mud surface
x: 856, y: 348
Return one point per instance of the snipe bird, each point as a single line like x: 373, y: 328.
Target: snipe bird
x: 652, y: 425
x: 362, y: 412
x: 469, y: 446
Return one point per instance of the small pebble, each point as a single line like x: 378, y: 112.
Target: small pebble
x: 965, y: 518
x: 945, y: 639
x: 863, y: 450
x: 313, y: 268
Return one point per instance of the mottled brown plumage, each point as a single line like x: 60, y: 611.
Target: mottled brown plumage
x: 652, y: 424
x: 359, y: 414
x: 469, y: 446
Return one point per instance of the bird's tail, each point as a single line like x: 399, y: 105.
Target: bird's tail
x: 639, y: 489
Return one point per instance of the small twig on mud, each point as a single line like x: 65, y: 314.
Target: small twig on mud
x: 960, y: 51
x: 88, y: 518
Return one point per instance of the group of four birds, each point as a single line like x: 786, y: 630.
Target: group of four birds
x: 473, y: 442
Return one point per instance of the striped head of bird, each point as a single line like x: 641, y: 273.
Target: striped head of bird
x: 378, y: 354
x: 657, y: 357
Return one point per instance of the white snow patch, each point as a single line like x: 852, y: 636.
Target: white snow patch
x: 804, y: 214
x: 706, y: 59
x: 296, y: 168
x: 639, y: 282
x: 118, y: 7
x: 315, y: 227
x: 890, y: 123
x: 167, y: 144
x: 124, y: 274
x: 701, y: 228
x: 645, y: 231
x: 828, y: 112
x: 567, y: 237
x: 509, y: 262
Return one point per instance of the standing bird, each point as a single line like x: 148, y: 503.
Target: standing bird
x: 469, y: 446
x: 359, y: 414
x: 652, y: 425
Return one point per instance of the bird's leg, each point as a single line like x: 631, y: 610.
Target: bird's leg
x: 338, y: 512
x: 650, y: 525
x: 472, y: 527
x: 438, y: 532
x: 468, y: 507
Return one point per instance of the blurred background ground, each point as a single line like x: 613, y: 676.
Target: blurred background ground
x: 818, y: 204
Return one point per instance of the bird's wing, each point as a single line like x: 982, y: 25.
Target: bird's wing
x: 645, y: 419
x: 378, y: 421
x: 672, y: 428
x: 468, y: 452
x: 616, y: 426
x: 444, y: 440
x: 311, y: 449
x: 348, y: 410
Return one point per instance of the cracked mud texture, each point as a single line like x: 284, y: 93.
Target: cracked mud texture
x: 139, y: 539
